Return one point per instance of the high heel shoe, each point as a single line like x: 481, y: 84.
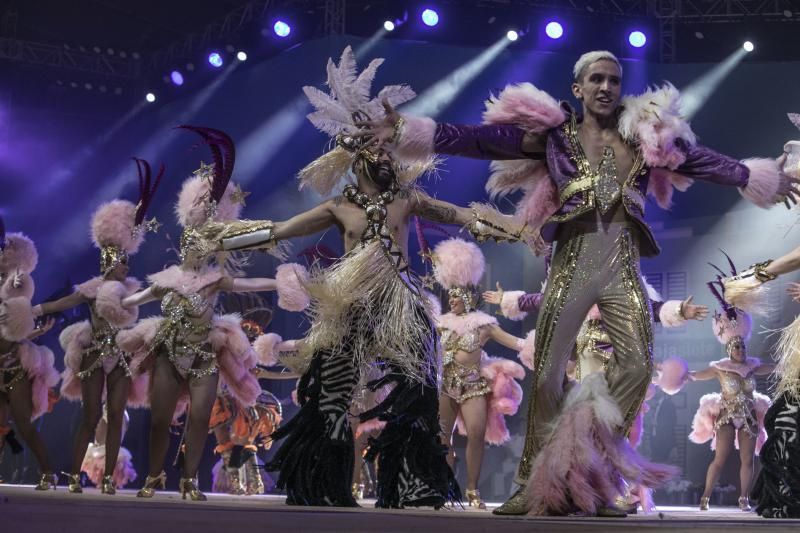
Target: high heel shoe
x: 255, y: 484
x: 744, y: 504
x: 46, y: 482
x: 150, y: 484
x: 74, y: 485
x: 188, y: 485
x: 357, y: 490
x: 474, y: 499
x: 107, y: 486
x: 704, y: 503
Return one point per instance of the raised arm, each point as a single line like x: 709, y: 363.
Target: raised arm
x: 784, y: 264
x: 62, y: 304
x: 703, y: 375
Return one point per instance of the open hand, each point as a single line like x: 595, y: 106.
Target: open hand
x: 692, y: 311
x: 794, y: 291
x: 494, y: 297
x: 789, y: 186
x: 381, y: 131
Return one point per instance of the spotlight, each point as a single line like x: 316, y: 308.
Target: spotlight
x: 87, y: 86
x: 281, y: 29
x: 748, y: 46
x: 241, y: 55
x: 512, y: 35
x: 150, y: 97
x: 176, y: 77
x: 554, y: 30
x: 637, y: 39
x: 215, y: 60
x: 388, y: 25
x: 430, y: 17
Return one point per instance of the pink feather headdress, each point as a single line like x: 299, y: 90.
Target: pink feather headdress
x: 732, y: 322
x: 18, y: 254
x: 118, y: 227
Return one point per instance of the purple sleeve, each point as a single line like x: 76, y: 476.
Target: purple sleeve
x: 656, y: 310
x: 493, y: 141
x: 703, y: 163
x: 530, y: 302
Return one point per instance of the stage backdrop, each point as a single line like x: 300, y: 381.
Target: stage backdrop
x: 56, y: 170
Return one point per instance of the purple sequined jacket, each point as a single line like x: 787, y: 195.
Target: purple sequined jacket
x: 576, y: 191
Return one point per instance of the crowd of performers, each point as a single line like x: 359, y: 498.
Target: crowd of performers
x: 384, y: 376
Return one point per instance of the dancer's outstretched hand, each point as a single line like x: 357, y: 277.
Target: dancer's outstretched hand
x: 692, y: 311
x: 789, y: 186
x: 494, y: 297
x: 794, y: 291
x: 381, y: 131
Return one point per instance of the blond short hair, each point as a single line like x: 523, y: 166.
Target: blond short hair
x: 590, y: 58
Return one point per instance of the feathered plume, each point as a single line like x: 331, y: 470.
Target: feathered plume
x: 223, y: 153
x: 717, y: 287
x: 147, y: 188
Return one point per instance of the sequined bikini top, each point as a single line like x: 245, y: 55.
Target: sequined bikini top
x: 183, y: 309
x: 733, y: 384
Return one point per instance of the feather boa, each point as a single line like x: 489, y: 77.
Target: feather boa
x: 743, y: 369
x: 527, y: 351
x: 586, y: 460
x: 38, y: 362
x: 509, y: 305
x: 463, y: 324
x: 108, y: 302
x: 669, y: 316
x: 504, y: 399
x: 19, y: 322
x: 185, y: 282
x: 266, y: 348
x: 291, y: 279
x: 25, y: 287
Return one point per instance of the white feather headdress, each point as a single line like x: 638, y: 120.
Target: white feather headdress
x: 336, y: 113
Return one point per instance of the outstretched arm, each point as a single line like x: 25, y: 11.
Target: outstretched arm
x: 150, y: 294
x: 784, y: 264
x: 42, y: 329
x: 440, y: 211
x: 703, y: 375
x: 62, y: 304
x: 764, y: 369
x: 247, y: 284
x: 500, y: 336
x: 265, y: 234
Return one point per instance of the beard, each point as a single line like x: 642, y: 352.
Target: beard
x: 382, y: 174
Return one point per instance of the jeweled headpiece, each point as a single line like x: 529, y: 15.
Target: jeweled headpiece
x: 458, y: 266
x: 731, y: 325
x: 118, y: 227
x: 337, y: 113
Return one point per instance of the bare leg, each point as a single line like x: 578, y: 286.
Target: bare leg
x: 116, y: 398
x: 21, y: 401
x: 166, y: 387
x: 202, y: 395
x: 474, y: 413
x: 92, y: 410
x: 747, y: 448
x: 725, y: 437
x: 448, y: 411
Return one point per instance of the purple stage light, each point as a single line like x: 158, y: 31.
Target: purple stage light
x: 176, y: 77
x: 430, y: 17
x: 281, y: 29
x: 215, y: 59
x: 637, y: 39
x: 554, y: 30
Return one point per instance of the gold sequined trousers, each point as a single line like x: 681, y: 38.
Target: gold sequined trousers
x: 593, y: 263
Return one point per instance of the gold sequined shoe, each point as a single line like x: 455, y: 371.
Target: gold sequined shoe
x: 107, y: 486
x: 358, y: 491
x: 517, y: 504
x: 704, y: 503
x: 74, y: 485
x: 46, y: 482
x: 235, y: 481
x: 188, y: 486
x: 744, y: 504
x: 255, y: 484
x: 150, y: 484
x: 474, y: 499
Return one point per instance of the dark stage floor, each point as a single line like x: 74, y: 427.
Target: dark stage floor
x: 23, y: 510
